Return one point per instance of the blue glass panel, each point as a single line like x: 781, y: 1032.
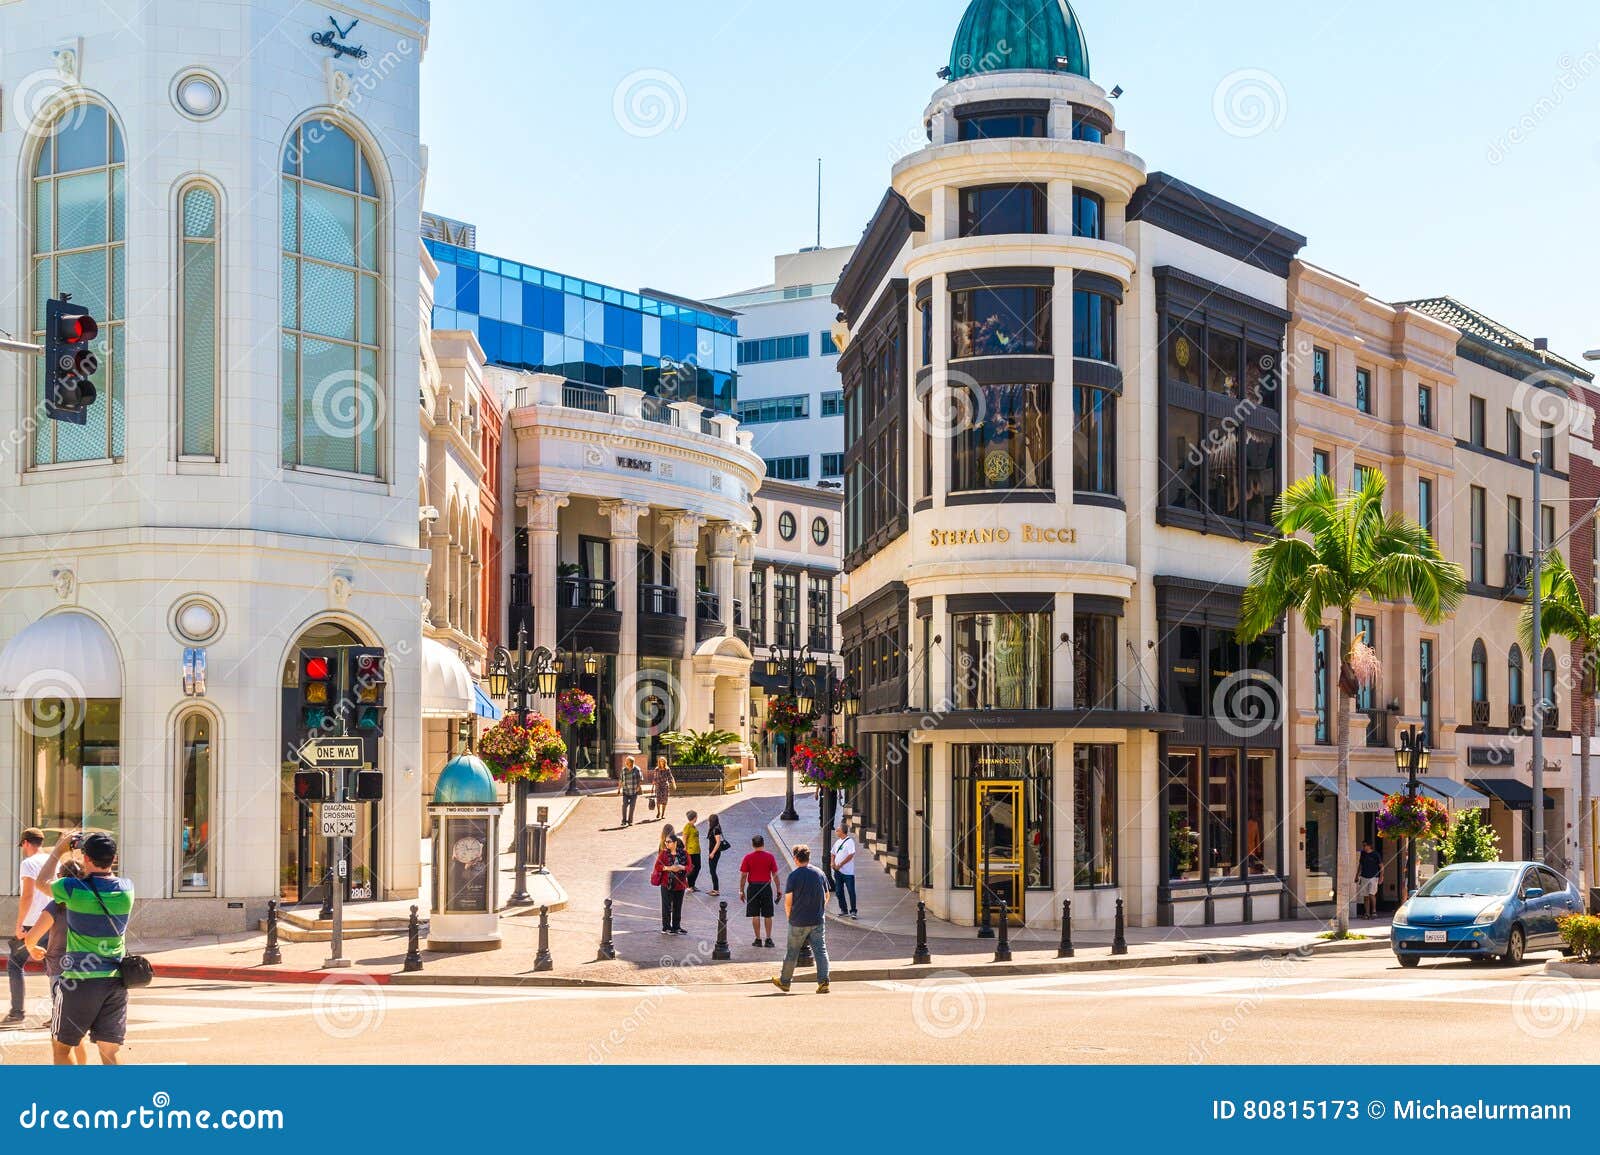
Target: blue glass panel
x: 438, y: 250
x: 593, y: 353
x: 489, y: 295
x: 488, y: 264
x: 631, y: 301
x: 510, y: 269
x: 593, y: 291
x: 572, y: 285
x: 613, y: 328
x: 555, y: 310
x: 572, y: 321
x: 554, y: 281
x: 613, y: 296
x: 632, y: 331
x: 531, y: 275
x: 532, y: 305
x: 651, y: 342
x: 510, y: 301
x: 511, y: 344
x: 652, y: 307
x: 705, y: 347
x: 572, y: 353
x: 594, y: 321
x: 489, y: 337
x: 444, y: 286
x: 554, y: 350
x: 467, y: 290
x: 631, y: 358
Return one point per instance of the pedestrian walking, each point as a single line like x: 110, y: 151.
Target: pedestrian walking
x: 757, y: 875
x: 716, y: 844
x: 631, y: 784
x: 1368, y: 874
x: 90, y: 998
x: 32, y: 901
x: 844, y: 871
x: 663, y: 783
x: 670, y: 874
x: 51, y: 931
x: 691, y: 844
x: 805, y: 899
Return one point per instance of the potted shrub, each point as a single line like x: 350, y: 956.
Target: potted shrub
x: 697, y: 755
x: 1581, y: 935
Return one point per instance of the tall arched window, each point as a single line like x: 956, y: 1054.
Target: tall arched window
x: 196, y: 779
x: 1514, y: 676
x: 332, y: 400
x: 1480, y: 674
x: 79, y: 224
x: 1547, y: 681
x: 198, y: 343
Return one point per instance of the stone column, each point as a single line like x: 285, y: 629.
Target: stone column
x: 744, y: 555
x: 624, y: 518
x: 724, y: 542
x: 685, y: 541
x: 439, y: 576
x: 541, y: 512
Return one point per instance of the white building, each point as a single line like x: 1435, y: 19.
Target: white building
x: 236, y: 196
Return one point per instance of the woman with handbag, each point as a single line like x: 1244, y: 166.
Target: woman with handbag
x: 671, y: 876
x: 663, y: 785
x: 716, y: 843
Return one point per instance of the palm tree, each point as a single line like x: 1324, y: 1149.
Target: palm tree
x: 1563, y: 613
x: 1354, y: 552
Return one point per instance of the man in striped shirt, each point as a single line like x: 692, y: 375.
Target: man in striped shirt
x: 90, y: 998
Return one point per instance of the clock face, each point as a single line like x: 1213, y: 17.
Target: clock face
x: 998, y: 466
x: 467, y: 851
x: 1184, y: 352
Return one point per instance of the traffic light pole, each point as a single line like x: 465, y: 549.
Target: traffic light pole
x: 336, y: 876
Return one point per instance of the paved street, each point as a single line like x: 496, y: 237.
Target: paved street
x: 1359, y: 1008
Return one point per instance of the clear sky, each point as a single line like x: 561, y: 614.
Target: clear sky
x: 1423, y: 147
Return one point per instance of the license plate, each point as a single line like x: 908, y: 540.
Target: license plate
x: 1433, y: 936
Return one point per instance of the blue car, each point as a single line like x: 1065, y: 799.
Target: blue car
x: 1484, y: 910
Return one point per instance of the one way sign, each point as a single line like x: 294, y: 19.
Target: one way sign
x: 339, y: 819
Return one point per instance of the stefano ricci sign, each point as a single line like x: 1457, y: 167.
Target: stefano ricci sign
x: 337, y: 39
x: 989, y: 535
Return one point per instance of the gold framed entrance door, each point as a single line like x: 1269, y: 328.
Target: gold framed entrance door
x: 1000, y: 844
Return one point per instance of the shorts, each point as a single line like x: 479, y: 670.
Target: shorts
x: 758, y: 900
x: 94, y: 1007
x: 1367, y: 888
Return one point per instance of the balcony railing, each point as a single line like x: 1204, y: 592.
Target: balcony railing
x: 1552, y: 717
x: 586, y: 593
x: 706, y: 425
x: 587, y: 399
x: 1480, y: 713
x: 1519, y: 566
x: 707, y: 606
x: 738, y: 613
x: 659, y: 601
x: 1517, y: 715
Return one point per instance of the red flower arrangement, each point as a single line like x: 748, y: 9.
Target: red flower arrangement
x: 1419, y: 817
x: 524, y: 749
x: 785, y: 715
x: 831, y: 767
x: 575, y: 707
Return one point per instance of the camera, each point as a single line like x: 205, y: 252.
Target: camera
x: 76, y: 841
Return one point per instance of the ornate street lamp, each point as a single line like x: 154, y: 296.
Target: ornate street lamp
x: 1411, y: 759
x: 794, y: 660
x: 516, y: 676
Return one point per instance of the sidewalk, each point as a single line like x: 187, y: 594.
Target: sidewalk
x: 597, y: 859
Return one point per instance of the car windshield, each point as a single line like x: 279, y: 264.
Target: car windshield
x: 1461, y: 883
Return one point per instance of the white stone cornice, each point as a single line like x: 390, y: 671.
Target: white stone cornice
x: 962, y: 254
x: 1113, y: 172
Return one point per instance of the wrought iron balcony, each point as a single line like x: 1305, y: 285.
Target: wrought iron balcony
x: 657, y: 600
x: 1519, y: 566
x: 1517, y: 715
x: 588, y: 399
x: 707, y: 606
x: 586, y: 593
x: 1480, y: 713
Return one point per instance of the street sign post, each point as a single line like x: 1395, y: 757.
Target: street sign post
x: 339, y: 820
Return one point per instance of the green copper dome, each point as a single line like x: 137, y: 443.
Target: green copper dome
x: 1006, y: 35
x: 465, y: 781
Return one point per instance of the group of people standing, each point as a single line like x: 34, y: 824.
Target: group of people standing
x: 630, y: 779
x: 679, y: 860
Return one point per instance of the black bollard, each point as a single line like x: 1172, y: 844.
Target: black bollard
x: 1002, y: 948
x: 413, y: 945
x: 720, y: 952
x: 1065, y: 949
x: 608, y: 949
x: 920, y: 956
x: 1119, y: 942
x: 273, y: 956
x: 985, y: 930
x: 541, y: 961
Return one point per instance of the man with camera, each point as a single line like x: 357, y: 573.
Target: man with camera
x: 90, y: 998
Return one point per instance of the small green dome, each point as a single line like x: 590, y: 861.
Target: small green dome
x: 1007, y: 35
x: 465, y: 781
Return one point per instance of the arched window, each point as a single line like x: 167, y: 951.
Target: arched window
x: 198, y: 343
x: 1480, y: 672
x: 332, y: 400
x: 196, y: 779
x: 1514, y: 676
x: 79, y: 223
x: 1547, y: 682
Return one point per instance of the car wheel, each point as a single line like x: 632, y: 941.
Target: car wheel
x: 1516, y: 947
x: 1409, y: 960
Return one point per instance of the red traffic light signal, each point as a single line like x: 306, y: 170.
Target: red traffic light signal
x: 311, y: 786
x: 69, y: 362
x: 317, y: 667
x: 319, y: 670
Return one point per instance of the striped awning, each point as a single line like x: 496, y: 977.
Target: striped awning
x: 1363, y: 798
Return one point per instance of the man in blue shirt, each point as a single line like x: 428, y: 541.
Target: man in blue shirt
x: 805, y: 899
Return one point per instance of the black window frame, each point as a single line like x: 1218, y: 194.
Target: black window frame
x: 978, y: 204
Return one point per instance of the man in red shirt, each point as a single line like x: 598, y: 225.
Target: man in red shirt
x: 758, y: 874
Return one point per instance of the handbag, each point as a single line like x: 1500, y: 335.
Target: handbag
x: 652, y: 804
x: 133, y: 969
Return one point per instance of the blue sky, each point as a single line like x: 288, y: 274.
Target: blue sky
x: 1423, y: 147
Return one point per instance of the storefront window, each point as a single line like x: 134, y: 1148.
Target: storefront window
x: 1008, y: 445
x: 76, y: 765
x: 1094, y: 815
x: 1261, y: 813
x: 1094, y: 326
x: 1322, y: 863
x: 994, y: 210
x: 1183, y: 815
x: 1094, y: 440
x: 1185, y: 461
x: 1222, y: 813
x: 1094, y: 661
x: 1002, y: 661
x: 999, y: 322
x: 1030, y: 766
x: 195, y: 749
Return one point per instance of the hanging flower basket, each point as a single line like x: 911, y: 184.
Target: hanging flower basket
x: 785, y: 715
x: 575, y: 707
x: 831, y: 767
x: 526, y: 749
x: 1418, y: 817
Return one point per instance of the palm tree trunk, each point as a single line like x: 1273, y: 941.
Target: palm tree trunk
x: 1344, y: 850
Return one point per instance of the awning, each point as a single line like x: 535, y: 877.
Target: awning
x: 1511, y: 793
x: 65, y: 655
x: 446, y: 684
x: 1457, y: 795
x: 482, y: 705
x: 1363, y: 798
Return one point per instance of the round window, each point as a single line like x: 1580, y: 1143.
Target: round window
x: 198, y: 95
x: 755, y: 512
x: 786, y: 525
x: 819, y: 530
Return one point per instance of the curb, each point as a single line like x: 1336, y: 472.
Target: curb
x: 265, y: 974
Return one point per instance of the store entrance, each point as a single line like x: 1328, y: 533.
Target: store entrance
x: 1000, y: 848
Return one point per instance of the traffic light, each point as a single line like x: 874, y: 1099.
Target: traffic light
x: 366, y: 688
x: 368, y: 787
x: 69, y: 363
x: 319, y: 674
x: 311, y: 786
